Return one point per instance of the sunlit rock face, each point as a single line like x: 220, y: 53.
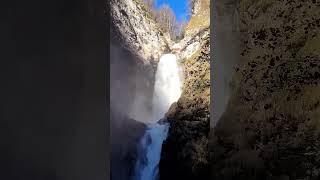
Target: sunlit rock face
x: 137, y: 29
x: 269, y: 129
x: 200, y: 17
x: 196, y: 31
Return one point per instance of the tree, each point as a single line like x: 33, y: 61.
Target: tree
x: 181, y: 26
x: 167, y: 19
x: 190, y: 4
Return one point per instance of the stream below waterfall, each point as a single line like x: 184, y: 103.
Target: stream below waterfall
x: 167, y: 90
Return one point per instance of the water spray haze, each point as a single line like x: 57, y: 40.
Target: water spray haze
x: 167, y: 90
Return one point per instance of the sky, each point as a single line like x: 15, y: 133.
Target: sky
x: 180, y: 7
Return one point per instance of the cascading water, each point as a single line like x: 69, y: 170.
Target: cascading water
x: 167, y: 90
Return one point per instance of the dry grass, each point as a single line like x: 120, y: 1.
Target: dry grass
x: 201, y: 20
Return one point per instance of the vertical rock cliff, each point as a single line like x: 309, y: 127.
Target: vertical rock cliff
x: 135, y: 47
x: 137, y: 30
x: 134, y: 33
x: 270, y: 126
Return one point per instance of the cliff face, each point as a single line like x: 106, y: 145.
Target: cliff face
x: 137, y: 44
x: 270, y: 128
x: 185, y: 152
x: 200, y: 17
x: 138, y: 31
x: 135, y: 47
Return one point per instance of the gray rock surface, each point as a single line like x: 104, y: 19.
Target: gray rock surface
x: 139, y: 32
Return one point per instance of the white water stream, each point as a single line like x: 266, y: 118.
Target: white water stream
x: 167, y: 90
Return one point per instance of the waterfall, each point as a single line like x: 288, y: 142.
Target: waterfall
x: 167, y: 90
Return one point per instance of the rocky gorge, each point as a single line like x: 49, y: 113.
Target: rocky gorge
x: 185, y: 152
x: 138, y: 43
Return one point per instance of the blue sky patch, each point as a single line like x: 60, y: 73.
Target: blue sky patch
x: 180, y: 7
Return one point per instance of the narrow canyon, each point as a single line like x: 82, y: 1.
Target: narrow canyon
x: 160, y: 94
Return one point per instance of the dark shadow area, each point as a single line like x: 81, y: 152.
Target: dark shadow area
x: 53, y: 90
x: 269, y: 128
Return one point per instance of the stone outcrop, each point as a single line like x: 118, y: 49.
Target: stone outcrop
x: 200, y: 17
x: 138, y: 31
x: 270, y: 128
